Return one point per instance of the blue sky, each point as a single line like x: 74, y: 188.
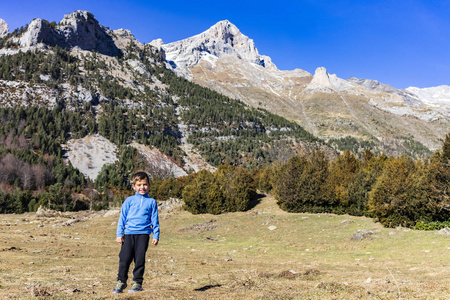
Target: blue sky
x: 401, y: 43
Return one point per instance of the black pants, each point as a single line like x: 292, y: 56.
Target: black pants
x: 133, y: 247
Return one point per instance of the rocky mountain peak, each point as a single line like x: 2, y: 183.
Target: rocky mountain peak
x: 78, y: 29
x: 4, y: 28
x: 225, y: 31
x: 221, y: 39
x: 79, y: 18
x: 81, y: 29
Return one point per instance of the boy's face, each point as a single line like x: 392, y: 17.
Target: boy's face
x: 140, y: 186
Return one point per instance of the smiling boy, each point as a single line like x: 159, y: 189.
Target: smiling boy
x: 138, y: 219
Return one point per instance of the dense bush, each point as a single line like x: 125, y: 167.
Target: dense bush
x: 391, y: 196
x: 300, y: 184
x: 229, y: 189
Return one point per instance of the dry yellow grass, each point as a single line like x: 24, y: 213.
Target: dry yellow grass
x: 230, y: 256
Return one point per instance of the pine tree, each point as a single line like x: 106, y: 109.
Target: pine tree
x: 391, y: 196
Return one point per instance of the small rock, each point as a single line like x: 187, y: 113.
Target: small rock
x: 347, y: 222
x: 444, y: 231
x: 369, y: 280
x: 71, y: 221
x: 111, y: 213
x: 362, y: 234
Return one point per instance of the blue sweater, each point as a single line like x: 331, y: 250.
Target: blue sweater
x: 139, y: 215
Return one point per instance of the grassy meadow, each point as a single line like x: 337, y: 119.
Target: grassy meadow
x: 264, y: 253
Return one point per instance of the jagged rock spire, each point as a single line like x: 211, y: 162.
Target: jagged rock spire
x: 4, y: 28
x: 324, y: 82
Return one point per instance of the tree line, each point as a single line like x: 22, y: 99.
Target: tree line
x: 396, y: 191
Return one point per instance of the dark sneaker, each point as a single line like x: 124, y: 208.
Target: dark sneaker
x: 135, y: 287
x: 120, y: 286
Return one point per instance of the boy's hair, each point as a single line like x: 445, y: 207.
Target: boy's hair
x: 139, y: 176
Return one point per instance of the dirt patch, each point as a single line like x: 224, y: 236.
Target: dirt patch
x: 202, y: 227
x: 290, y: 274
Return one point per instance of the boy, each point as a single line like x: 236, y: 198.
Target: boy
x: 138, y: 219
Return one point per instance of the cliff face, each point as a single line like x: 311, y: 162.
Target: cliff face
x: 222, y: 39
x: 78, y: 29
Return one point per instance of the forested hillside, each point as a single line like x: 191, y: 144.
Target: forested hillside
x: 52, y: 94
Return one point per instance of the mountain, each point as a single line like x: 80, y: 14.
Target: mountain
x: 358, y: 110
x: 66, y: 87
x: 228, y: 105
x: 221, y: 40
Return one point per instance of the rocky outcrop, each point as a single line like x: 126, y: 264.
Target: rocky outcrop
x: 78, y: 29
x: 38, y: 32
x: 373, y: 84
x: 4, y: 28
x: 324, y: 82
x: 157, y: 48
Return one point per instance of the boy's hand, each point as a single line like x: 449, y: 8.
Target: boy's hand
x: 155, y: 242
x: 119, y: 239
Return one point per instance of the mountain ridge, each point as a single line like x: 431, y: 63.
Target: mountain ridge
x: 289, y: 94
x: 225, y: 60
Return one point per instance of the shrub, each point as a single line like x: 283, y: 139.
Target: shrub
x: 431, y: 225
x: 300, y: 184
x: 229, y: 189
